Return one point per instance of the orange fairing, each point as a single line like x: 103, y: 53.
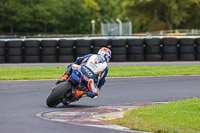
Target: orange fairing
x: 89, y: 85
x: 64, y: 77
x: 78, y: 93
x: 97, y: 92
x: 75, y: 67
x: 99, y: 72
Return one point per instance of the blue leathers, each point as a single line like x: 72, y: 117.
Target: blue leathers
x: 87, y: 70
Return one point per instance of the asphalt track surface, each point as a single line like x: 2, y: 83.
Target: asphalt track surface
x: 20, y: 101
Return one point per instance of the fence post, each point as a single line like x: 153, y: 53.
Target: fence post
x: 120, y: 26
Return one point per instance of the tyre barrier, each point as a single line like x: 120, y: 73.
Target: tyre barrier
x: 170, y: 49
x: 153, y: 49
x: 187, y: 49
x: 99, y: 43
x: 119, y: 50
x: 48, y: 51
x: 198, y: 49
x: 83, y: 47
x: 14, y: 51
x: 2, y: 52
x: 31, y: 51
x: 135, y: 49
x: 67, y: 50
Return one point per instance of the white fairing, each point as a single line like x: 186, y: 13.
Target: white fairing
x: 96, y: 63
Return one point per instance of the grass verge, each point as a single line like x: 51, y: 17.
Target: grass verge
x: 32, y: 73
x: 175, y: 117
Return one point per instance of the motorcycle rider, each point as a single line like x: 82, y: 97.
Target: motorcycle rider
x: 93, y: 68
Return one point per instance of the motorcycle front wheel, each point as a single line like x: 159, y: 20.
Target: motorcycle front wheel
x: 58, y: 93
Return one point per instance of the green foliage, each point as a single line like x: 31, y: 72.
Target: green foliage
x: 74, y: 16
x: 153, y: 15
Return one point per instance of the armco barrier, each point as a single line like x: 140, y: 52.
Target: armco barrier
x: 123, y: 49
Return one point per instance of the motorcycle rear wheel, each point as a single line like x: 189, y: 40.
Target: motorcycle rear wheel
x: 58, y: 93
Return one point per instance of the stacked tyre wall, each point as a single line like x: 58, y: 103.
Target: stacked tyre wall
x: 119, y: 50
x: 198, y: 48
x: 31, y: 51
x: 66, y: 51
x: 170, y: 49
x: 2, y: 52
x: 153, y: 49
x: 135, y: 49
x: 125, y: 49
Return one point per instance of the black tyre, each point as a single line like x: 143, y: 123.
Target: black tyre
x: 101, y: 42
x: 31, y: 43
x: 135, y: 42
x: 118, y: 43
x: 14, y: 44
x: 198, y: 49
x: 198, y: 56
x: 49, y: 58
x: 187, y: 41
x: 49, y: 51
x: 83, y: 43
x: 2, y: 44
x: 118, y: 50
x: 136, y: 57
x: 136, y: 50
x: 170, y: 57
x: 65, y: 51
x: 49, y: 43
x: 14, y: 51
x: 198, y: 41
x: 95, y: 49
x: 58, y: 93
x: 153, y: 57
x: 14, y: 59
x: 2, y: 51
x: 32, y: 59
x: 66, y: 43
x: 153, y: 50
x: 2, y: 59
x: 32, y: 51
x: 170, y: 49
x: 119, y: 58
x: 83, y: 50
x: 187, y: 57
x: 153, y: 42
x: 170, y: 41
x: 187, y: 49
x: 66, y: 58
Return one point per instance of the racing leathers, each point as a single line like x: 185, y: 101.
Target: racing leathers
x: 91, y: 71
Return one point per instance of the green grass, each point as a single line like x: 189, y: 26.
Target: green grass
x: 31, y: 73
x: 175, y: 117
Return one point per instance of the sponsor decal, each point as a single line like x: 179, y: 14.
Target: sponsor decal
x: 89, y: 73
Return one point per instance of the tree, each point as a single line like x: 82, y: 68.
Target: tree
x: 149, y: 15
x: 77, y: 16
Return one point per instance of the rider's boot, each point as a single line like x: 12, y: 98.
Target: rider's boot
x: 79, y: 94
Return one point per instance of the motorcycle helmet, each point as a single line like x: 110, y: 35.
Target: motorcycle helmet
x: 106, y: 53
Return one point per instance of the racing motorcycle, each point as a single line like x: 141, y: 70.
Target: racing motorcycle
x: 61, y: 93
x: 64, y: 92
